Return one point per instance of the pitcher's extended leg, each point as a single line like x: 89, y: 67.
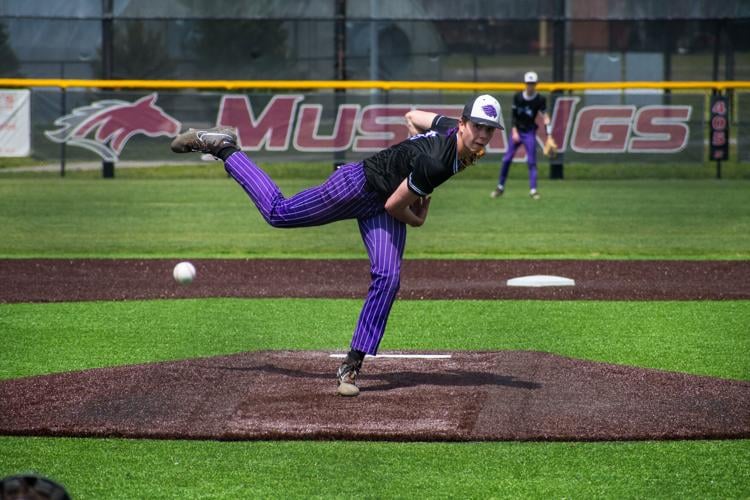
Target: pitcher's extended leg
x: 342, y: 196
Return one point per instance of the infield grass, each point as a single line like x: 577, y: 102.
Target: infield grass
x: 696, y: 337
x: 701, y: 337
x: 165, y: 216
x: 116, y: 469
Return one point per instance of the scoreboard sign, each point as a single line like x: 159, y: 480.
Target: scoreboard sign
x: 719, y: 149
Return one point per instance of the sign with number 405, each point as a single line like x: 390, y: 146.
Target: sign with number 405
x: 719, y: 128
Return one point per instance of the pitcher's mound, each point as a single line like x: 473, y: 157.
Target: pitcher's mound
x: 507, y: 395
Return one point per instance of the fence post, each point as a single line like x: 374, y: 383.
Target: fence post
x: 339, y: 66
x: 63, y: 105
x: 108, y: 47
x: 558, y: 75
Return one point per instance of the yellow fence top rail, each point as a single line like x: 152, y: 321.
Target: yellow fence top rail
x: 361, y: 85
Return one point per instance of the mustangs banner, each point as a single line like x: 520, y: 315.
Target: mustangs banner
x: 118, y: 126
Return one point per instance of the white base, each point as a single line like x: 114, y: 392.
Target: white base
x: 539, y: 280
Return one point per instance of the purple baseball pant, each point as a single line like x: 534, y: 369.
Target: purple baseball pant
x: 528, y: 139
x: 344, y: 195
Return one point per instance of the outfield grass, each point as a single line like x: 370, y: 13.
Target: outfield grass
x: 168, y: 216
x: 487, y: 169
x: 695, y: 219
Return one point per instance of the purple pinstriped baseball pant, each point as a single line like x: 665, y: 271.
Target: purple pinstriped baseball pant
x: 528, y: 139
x: 342, y: 196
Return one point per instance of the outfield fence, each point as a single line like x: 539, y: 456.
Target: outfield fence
x: 59, y: 120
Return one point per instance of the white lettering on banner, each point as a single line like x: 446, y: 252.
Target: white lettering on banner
x: 15, y: 123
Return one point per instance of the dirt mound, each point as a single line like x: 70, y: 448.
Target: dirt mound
x: 506, y: 395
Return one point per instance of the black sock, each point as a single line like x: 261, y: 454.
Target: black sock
x: 226, y: 152
x: 355, y: 357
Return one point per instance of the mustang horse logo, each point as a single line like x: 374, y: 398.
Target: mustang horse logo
x: 112, y: 123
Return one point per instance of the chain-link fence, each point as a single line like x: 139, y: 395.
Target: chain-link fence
x: 383, y: 40
x: 429, y: 40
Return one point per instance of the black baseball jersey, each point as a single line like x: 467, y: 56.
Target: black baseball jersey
x: 443, y: 125
x: 524, y: 111
x: 427, y: 160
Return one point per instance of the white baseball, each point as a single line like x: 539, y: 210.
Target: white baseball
x: 184, y: 273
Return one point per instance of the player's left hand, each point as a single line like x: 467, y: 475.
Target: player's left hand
x: 515, y: 136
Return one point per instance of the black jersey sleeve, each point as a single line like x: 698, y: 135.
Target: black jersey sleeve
x: 427, y: 174
x: 442, y: 124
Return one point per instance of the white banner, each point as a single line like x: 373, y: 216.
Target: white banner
x: 15, y: 122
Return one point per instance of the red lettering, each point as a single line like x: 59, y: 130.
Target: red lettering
x: 718, y: 139
x: 562, y: 119
x: 306, y: 137
x: 381, y: 126
x: 271, y: 129
x: 602, y: 129
x: 592, y: 129
x: 660, y: 129
x: 719, y: 107
x: 718, y: 123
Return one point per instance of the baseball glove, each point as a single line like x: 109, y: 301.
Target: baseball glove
x: 472, y: 159
x: 550, y: 147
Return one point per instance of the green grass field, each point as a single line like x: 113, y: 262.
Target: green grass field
x: 165, y: 213
x: 212, y: 217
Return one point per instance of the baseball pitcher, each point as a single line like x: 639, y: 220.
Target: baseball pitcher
x: 384, y: 193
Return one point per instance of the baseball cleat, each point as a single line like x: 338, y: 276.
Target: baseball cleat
x: 346, y: 376
x: 209, y: 141
x: 535, y: 194
x: 497, y: 192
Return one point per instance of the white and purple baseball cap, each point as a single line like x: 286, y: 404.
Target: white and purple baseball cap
x: 484, y: 110
x: 530, y: 77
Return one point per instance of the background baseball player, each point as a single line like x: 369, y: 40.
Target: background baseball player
x: 385, y: 193
x: 527, y: 107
